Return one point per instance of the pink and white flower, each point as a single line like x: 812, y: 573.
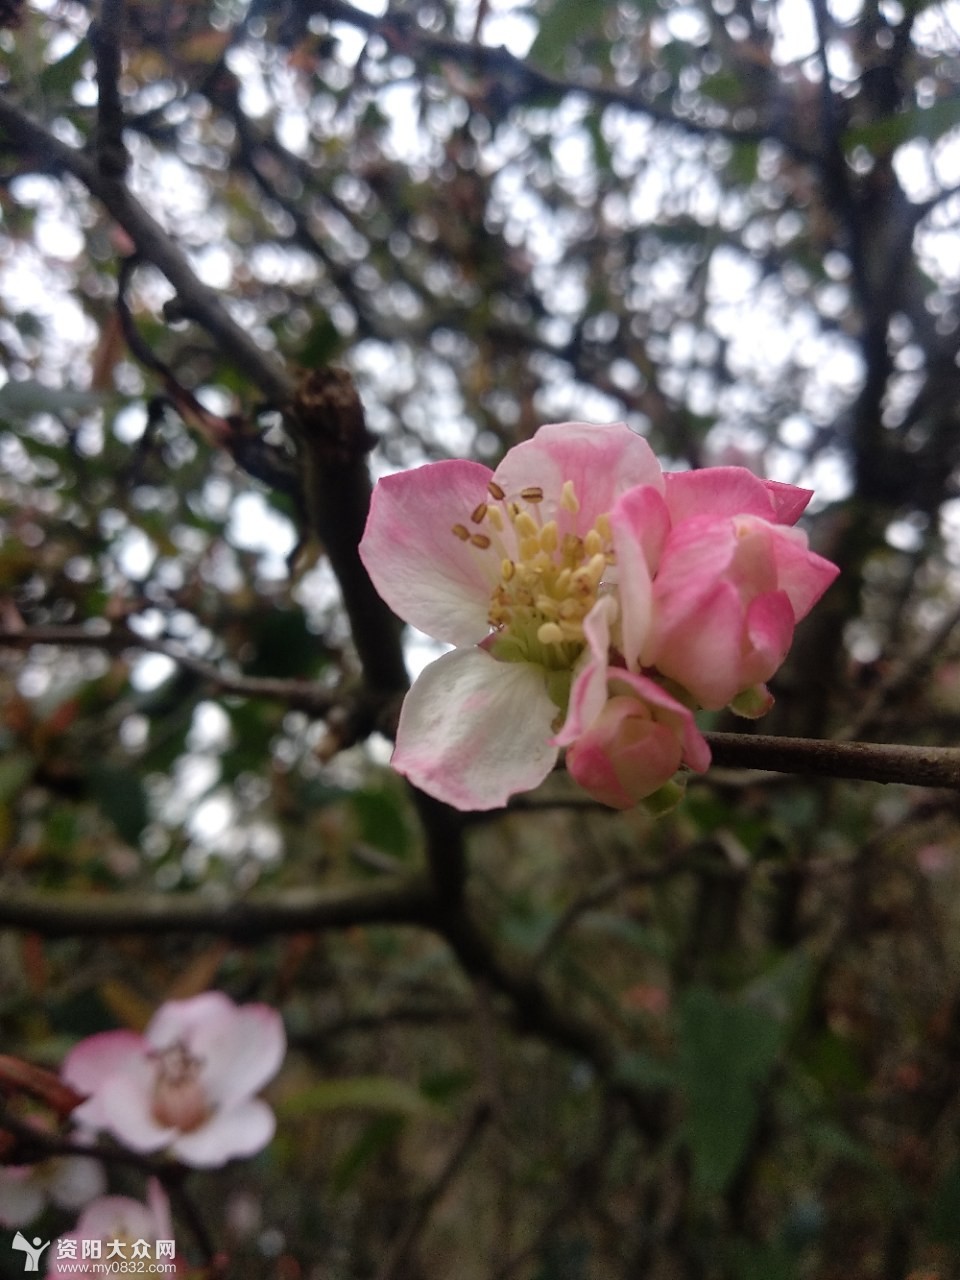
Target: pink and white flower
x: 570, y: 581
x: 186, y: 1085
x: 67, y: 1181
x: 120, y: 1229
x: 514, y: 567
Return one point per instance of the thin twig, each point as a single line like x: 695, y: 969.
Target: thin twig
x: 112, y: 158
x: 305, y: 695
x: 395, y: 1262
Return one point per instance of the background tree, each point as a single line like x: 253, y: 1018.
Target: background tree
x: 551, y: 1041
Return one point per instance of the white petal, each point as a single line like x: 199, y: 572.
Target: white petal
x: 474, y: 731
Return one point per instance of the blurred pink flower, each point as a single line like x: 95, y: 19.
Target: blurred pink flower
x: 119, y: 1229
x: 66, y: 1181
x: 187, y: 1084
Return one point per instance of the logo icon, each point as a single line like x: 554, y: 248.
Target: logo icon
x: 33, y: 1251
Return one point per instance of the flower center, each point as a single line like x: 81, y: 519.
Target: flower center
x: 548, y: 581
x: 179, y: 1100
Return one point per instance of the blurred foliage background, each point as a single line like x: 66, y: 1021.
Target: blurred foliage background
x: 555, y: 1042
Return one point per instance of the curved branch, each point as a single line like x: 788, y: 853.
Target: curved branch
x: 305, y: 695
x: 519, y: 78
x: 153, y: 243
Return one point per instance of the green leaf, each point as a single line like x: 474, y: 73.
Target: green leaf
x: 762, y: 1262
x: 383, y: 820
x: 122, y: 798
x: 379, y: 1134
x: 365, y: 1093
x: 58, y: 79
x: 15, y: 769
x: 321, y: 344
x: 943, y: 1223
x: 727, y: 1051
x: 884, y: 136
x: 20, y: 400
x: 642, y: 1071
x: 561, y: 27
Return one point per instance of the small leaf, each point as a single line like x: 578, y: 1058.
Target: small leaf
x: 21, y: 399
x: 127, y: 1006
x: 563, y: 25
x: 727, y: 1050
x: 122, y: 798
x: 15, y: 769
x: 379, y: 1134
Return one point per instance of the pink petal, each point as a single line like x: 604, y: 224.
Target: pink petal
x: 589, y: 691
x: 640, y: 523
x: 474, y: 731
x: 425, y: 573
x: 159, y: 1207
x: 696, y: 753
x: 769, y: 629
x: 183, y: 1020
x: 801, y: 573
x: 601, y: 461
x: 76, y: 1180
x: 789, y: 502
x: 702, y: 649
x: 625, y: 756
x: 89, y: 1062
x: 719, y: 492
x: 240, y: 1053
x: 126, y: 1104
x: 22, y: 1196
x: 228, y: 1134
x: 240, y: 1048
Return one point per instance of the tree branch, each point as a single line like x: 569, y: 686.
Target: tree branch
x: 408, y: 901
x: 153, y: 243
x: 866, y: 761
x: 305, y: 695
x: 514, y: 77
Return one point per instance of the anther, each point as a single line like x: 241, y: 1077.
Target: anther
x: 480, y: 540
x: 461, y: 531
x: 495, y: 491
x: 532, y: 494
x: 549, y: 538
x: 479, y: 511
x: 507, y: 570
